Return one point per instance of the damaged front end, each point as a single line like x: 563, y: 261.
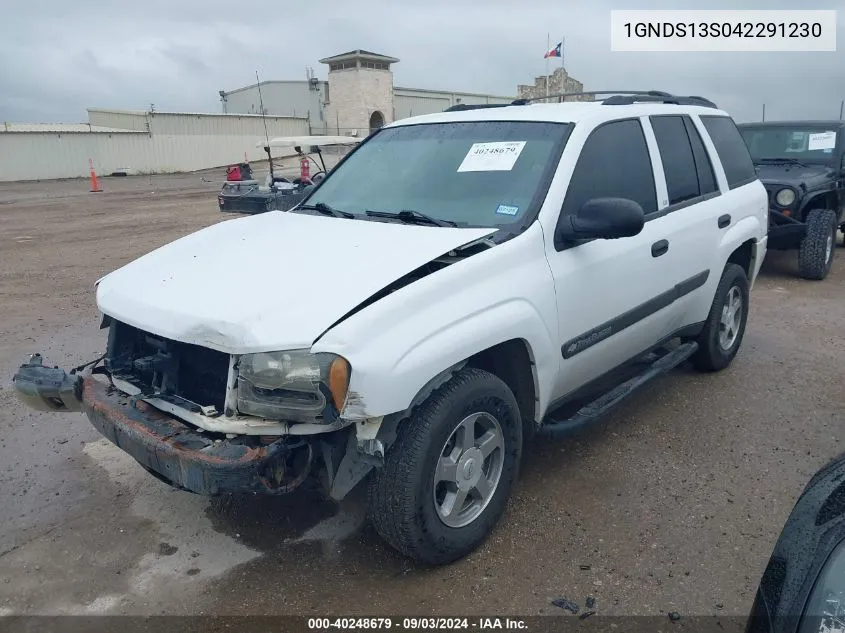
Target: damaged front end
x: 174, y: 407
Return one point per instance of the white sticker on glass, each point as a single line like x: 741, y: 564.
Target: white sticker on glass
x: 822, y: 140
x: 499, y: 156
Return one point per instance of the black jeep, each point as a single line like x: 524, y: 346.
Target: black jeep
x: 802, y: 166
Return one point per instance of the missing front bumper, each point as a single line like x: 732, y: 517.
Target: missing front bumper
x: 186, y: 457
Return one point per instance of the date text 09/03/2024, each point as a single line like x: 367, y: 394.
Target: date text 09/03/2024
x: 416, y: 624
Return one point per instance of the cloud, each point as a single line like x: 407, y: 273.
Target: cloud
x: 60, y: 57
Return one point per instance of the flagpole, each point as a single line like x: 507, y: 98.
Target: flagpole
x: 548, y: 44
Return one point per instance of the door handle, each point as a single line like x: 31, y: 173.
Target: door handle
x: 724, y: 221
x: 659, y: 248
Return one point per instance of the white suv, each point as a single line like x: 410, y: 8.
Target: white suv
x: 432, y: 305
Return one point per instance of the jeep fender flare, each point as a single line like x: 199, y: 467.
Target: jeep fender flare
x: 813, y: 196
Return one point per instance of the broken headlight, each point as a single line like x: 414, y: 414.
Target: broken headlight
x: 294, y: 385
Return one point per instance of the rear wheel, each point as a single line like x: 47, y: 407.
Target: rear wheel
x: 816, y: 254
x: 447, y: 478
x: 724, y: 328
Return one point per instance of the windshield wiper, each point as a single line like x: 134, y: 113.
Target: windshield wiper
x: 791, y: 161
x: 411, y: 217
x: 322, y: 207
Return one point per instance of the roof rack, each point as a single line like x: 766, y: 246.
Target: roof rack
x: 474, y: 106
x: 627, y: 97
x: 618, y: 97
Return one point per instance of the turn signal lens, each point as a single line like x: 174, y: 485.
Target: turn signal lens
x: 787, y: 212
x: 339, y: 381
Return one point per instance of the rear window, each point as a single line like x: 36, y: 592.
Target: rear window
x: 739, y: 169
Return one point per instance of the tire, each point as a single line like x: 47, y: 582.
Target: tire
x: 403, y: 498
x: 717, y: 346
x: 816, y: 254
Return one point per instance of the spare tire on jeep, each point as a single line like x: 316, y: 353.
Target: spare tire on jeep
x: 816, y: 254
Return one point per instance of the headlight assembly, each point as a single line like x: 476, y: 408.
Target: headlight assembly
x: 785, y: 197
x: 293, y: 385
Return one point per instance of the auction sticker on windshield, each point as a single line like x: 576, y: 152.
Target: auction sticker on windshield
x: 822, y: 140
x: 500, y: 156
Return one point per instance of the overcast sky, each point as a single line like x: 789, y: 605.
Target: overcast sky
x: 61, y: 56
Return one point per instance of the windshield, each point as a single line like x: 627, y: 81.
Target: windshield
x: 480, y: 173
x: 805, y: 144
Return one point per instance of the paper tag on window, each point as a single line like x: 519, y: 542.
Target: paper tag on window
x: 822, y: 140
x: 499, y: 156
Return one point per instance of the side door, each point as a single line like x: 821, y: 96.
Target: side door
x: 693, y: 216
x: 614, y: 296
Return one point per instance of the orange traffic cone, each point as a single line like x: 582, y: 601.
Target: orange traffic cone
x: 95, y: 187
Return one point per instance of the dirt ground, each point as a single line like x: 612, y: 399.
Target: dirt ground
x: 674, y: 502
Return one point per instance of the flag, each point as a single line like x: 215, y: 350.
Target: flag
x: 555, y: 52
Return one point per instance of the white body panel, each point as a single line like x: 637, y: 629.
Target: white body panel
x: 396, y: 345
x: 267, y: 282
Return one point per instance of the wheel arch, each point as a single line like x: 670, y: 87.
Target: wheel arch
x: 744, y: 256
x: 511, y: 361
x: 820, y: 200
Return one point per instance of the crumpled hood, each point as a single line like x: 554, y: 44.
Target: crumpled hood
x: 794, y: 175
x: 271, y: 281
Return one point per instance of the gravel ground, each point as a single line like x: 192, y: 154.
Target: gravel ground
x: 671, y: 504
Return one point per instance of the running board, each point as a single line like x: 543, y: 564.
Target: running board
x: 552, y: 428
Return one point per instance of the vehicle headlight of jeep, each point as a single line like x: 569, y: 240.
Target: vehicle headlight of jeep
x: 785, y: 197
x: 293, y: 385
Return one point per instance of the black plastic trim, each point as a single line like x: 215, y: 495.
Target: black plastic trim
x: 687, y: 332
x: 681, y: 205
x: 607, y: 329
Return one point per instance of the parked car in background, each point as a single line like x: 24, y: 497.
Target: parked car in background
x: 802, y: 166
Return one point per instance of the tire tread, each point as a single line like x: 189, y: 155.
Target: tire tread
x: 812, y: 262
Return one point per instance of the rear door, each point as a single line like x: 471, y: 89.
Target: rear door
x: 692, y: 214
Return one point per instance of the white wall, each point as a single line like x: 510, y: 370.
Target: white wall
x: 415, y: 101
x: 201, y: 143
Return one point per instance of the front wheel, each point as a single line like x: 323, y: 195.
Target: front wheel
x: 447, y: 478
x: 816, y: 254
x: 724, y: 328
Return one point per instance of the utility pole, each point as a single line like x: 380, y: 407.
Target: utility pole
x: 764, y: 112
x: 841, y: 108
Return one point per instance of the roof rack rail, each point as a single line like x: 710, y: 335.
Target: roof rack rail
x: 474, y: 106
x: 626, y: 97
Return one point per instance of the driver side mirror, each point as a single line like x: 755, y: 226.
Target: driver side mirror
x: 603, y: 218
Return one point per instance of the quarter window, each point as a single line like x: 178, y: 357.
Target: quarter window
x: 615, y: 163
x: 731, y: 149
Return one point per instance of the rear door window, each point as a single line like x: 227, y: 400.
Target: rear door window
x: 677, y: 158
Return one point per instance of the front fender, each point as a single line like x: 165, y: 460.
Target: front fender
x: 811, y: 196
x: 400, y: 343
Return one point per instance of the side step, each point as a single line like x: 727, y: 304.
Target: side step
x: 552, y: 428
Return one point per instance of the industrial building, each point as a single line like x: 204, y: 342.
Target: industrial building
x: 135, y: 142
x: 358, y: 96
